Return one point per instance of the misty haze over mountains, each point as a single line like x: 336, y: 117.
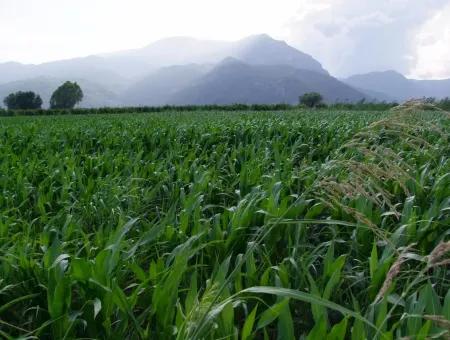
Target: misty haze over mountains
x: 183, y: 71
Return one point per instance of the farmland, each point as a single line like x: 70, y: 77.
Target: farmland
x: 225, y: 225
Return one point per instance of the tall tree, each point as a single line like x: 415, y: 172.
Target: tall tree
x: 23, y: 101
x: 311, y: 99
x: 66, y: 96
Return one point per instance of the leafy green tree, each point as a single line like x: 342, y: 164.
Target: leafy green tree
x: 311, y: 99
x: 444, y: 104
x: 66, y: 96
x: 429, y: 100
x: 23, y: 101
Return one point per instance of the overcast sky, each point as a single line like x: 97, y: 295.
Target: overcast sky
x: 346, y: 36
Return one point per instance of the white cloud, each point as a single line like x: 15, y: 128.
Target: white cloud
x: 354, y: 36
x: 36, y: 31
x: 347, y: 36
x: 432, y: 52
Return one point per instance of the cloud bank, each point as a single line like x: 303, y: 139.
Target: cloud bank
x: 354, y: 36
x: 347, y: 36
x: 432, y: 47
x: 45, y: 30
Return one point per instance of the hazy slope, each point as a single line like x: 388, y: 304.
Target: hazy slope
x: 174, y: 51
x: 93, y: 69
x: 157, y: 88
x: 433, y: 88
x: 233, y: 81
x: 256, y: 49
x: 12, y: 71
x: 114, y: 70
x: 263, y: 50
x: 94, y: 95
x: 398, y: 87
x: 181, y: 70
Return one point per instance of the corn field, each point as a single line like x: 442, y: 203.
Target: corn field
x: 320, y: 224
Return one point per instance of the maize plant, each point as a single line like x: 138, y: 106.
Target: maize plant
x: 321, y: 224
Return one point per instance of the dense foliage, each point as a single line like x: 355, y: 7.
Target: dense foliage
x: 363, y: 105
x: 66, y: 96
x: 311, y: 99
x: 225, y: 225
x: 23, y: 101
x: 360, y: 106
x: 444, y: 103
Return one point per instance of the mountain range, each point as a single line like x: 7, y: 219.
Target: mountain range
x: 183, y: 71
x: 397, y: 87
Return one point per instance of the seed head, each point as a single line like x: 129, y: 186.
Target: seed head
x: 434, y: 259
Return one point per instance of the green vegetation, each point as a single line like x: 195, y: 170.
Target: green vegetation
x: 312, y: 99
x: 364, y: 105
x: 319, y: 224
x: 66, y: 96
x: 23, y: 101
x: 149, y: 109
x: 444, y: 103
x: 360, y: 106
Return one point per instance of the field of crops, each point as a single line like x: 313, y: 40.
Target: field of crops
x: 318, y: 224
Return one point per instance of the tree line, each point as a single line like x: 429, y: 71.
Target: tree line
x: 315, y: 100
x: 195, y: 108
x: 65, y: 97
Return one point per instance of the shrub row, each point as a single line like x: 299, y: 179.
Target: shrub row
x: 146, y: 109
x: 188, y: 108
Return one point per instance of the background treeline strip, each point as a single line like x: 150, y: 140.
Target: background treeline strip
x: 443, y: 104
x: 148, y: 109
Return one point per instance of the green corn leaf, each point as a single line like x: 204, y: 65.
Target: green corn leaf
x: 338, y: 331
x: 248, y: 325
x: 271, y: 313
x: 306, y: 297
x: 373, y: 263
x: 285, y: 327
x: 319, y: 331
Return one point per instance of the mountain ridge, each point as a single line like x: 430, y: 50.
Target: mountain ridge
x: 397, y: 86
x: 170, y: 70
x: 234, y: 81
